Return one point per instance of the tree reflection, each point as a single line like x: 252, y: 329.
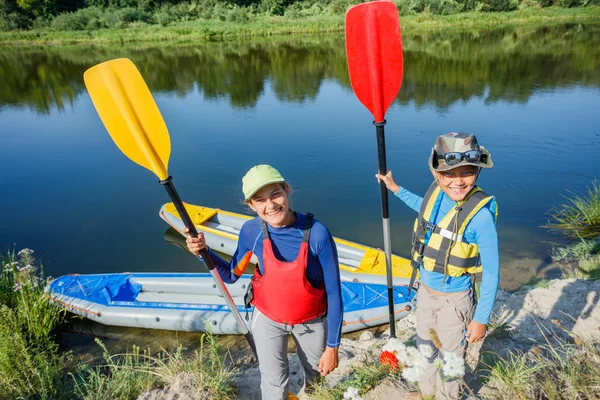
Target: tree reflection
x: 441, y: 68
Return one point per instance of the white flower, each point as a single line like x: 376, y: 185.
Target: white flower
x: 25, y: 252
x: 352, y: 394
x: 439, y: 363
x: 26, y: 268
x: 426, y: 350
x: 454, y: 365
x: 11, y: 266
x: 412, y: 374
x: 393, y: 345
x: 18, y: 286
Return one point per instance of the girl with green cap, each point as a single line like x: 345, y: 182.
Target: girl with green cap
x: 296, y: 284
x: 454, y: 237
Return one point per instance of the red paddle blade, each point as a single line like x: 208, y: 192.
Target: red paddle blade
x: 374, y: 54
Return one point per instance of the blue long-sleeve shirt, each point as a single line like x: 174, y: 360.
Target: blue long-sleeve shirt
x: 322, y: 268
x: 481, y: 230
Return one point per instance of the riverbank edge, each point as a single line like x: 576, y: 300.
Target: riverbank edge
x: 525, y: 322
x: 211, y: 31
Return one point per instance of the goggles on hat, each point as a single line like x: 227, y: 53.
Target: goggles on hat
x: 454, y: 157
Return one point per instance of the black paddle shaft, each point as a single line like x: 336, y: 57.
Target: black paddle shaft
x: 386, y: 222
x: 183, y: 214
x: 385, y: 208
x: 185, y: 217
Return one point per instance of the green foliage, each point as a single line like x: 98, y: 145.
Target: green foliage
x: 126, y: 376
x: 238, y: 15
x: 498, y: 329
x: 31, y: 365
x: 559, y: 371
x: 580, y: 260
x: 274, y: 7
x: 70, y: 22
x: 368, y: 374
x: 98, y: 18
x: 499, y: 5
x: 579, y: 218
x: 11, y: 17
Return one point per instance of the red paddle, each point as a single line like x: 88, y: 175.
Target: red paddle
x: 374, y: 54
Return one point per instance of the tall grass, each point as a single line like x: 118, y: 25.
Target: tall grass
x: 579, y: 221
x: 579, y: 217
x: 554, y: 371
x: 31, y: 364
x: 126, y: 376
x: 580, y: 260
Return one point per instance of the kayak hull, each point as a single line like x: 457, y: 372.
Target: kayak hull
x: 193, y: 303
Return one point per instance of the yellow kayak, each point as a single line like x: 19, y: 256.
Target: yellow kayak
x: 358, y: 262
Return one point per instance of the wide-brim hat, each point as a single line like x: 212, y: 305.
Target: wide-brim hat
x: 258, y: 177
x: 457, y: 142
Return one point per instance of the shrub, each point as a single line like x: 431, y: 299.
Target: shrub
x: 238, y: 14
x: 499, y: 5
x: 13, y: 21
x: 69, y: 22
x: 274, y: 7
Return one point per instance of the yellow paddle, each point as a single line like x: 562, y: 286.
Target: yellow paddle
x: 133, y: 120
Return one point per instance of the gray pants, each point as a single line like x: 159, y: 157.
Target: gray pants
x: 271, y: 347
x: 448, y: 315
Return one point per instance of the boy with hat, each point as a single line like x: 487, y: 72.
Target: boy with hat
x: 454, y: 236
x: 296, y: 284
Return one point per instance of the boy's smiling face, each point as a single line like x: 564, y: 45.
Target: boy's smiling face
x: 457, y: 182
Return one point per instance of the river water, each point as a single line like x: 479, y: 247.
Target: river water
x: 531, y: 95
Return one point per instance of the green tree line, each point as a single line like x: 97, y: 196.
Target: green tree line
x: 70, y: 15
x: 441, y: 69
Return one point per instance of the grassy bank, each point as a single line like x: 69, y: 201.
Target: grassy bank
x: 33, y: 366
x: 265, y: 25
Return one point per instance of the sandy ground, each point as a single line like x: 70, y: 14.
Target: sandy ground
x: 564, y: 308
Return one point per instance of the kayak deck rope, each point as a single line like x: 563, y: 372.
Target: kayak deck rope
x: 361, y: 321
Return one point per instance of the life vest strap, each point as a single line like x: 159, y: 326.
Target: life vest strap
x: 428, y: 226
x: 305, y: 235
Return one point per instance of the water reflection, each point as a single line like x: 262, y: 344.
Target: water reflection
x: 440, y: 68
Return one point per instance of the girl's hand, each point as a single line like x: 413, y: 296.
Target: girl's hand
x: 195, y: 244
x: 388, y: 180
x: 328, y: 361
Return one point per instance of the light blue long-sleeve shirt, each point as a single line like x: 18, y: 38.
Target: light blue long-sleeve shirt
x: 480, y: 230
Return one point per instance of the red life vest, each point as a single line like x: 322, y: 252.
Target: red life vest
x: 283, y: 293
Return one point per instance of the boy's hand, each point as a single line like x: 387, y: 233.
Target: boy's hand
x: 475, y: 332
x: 388, y: 180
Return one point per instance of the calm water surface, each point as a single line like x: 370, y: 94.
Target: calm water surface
x: 532, y: 96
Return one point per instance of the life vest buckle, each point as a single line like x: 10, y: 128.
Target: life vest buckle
x: 417, y: 263
x: 428, y: 226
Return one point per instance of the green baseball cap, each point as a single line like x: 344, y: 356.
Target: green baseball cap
x: 258, y: 177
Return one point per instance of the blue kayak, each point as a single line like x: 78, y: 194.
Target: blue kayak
x: 192, y: 302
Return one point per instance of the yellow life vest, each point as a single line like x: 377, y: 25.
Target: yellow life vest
x: 448, y: 233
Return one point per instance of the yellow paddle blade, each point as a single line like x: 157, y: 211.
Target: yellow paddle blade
x: 130, y: 114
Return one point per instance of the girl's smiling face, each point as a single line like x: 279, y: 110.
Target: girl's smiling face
x: 271, y: 203
x: 457, y: 182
